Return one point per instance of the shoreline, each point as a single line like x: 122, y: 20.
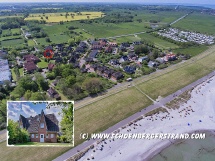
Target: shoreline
x: 168, y: 143
x: 188, y: 118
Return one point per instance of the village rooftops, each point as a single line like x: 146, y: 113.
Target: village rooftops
x: 93, y: 54
x: 31, y: 57
x: 5, y: 71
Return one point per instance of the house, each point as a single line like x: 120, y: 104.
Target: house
x: 31, y: 57
x: 100, y: 70
x: 141, y: 59
x: 5, y: 71
x: 114, y: 62
x: 108, y: 49
x: 30, y: 67
x: 50, y: 66
x: 160, y: 60
x: 59, y: 47
x: 137, y: 43
x: 123, y: 59
x: 41, y: 128
x: 83, y: 44
x: 83, y: 70
x: 122, y: 48
x: 97, y: 47
x: 130, y: 69
x: 132, y: 56
x: 58, y: 60
x: 108, y: 73
x: 53, y: 94
x: 49, y: 48
x: 117, y: 76
x: 169, y: 57
x: 63, y: 54
x: 125, y: 44
x: 72, y: 60
x: 80, y: 49
x: 112, y: 44
x: 88, y: 60
x: 93, y: 54
x: 152, y: 64
x: 93, y: 67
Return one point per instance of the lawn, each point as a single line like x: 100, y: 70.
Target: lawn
x: 43, y: 144
x: 13, y: 74
x: 193, y: 50
x: 31, y: 42
x: 42, y: 64
x: 198, y: 22
x: 100, y: 115
x: 13, y: 43
x: 159, y: 43
x: 57, y: 17
x: 30, y: 153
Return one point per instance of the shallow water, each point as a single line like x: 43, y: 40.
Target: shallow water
x: 189, y: 150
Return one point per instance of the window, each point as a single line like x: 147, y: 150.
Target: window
x: 36, y: 135
x: 32, y: 135
x: 47, y: 135
x: 52, y: 135
x: 41, y: 125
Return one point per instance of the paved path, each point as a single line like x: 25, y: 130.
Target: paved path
x: 179, y: 19
x: 122, y: 123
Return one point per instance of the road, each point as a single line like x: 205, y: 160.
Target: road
x: 124, y: 122
x: 179, y: 19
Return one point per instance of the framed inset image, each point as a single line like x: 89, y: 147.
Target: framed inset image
x: 40, y: 123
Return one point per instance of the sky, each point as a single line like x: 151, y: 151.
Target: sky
x: 28, y: 109
x: 134, y: 1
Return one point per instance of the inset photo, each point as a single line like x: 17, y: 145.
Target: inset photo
x: 37, y: 123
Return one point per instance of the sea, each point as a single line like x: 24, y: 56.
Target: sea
x: 189, y: 150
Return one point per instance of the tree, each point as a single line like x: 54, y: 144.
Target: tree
x: 42, y: 83
x: 16, y: 134
x: 70, y: 80
x: 48, y: 39
x: 71, y: 42
x: 47, y: 17
x: 67, y: 124
x: 3, y: 114
x: 93, y: 85
x: 141, y: 49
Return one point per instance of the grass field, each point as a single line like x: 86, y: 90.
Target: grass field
x: 42, y: 64
x: 31, y: 42
x: 193, y: 50
x: 57, y: 17
x: 198, y: 22
x: 12, y: 43
x: 102, y: 114
x: 160, y: 43
x: 30, y: 153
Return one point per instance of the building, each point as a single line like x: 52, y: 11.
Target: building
x: 130, y: 69
x: 50, y: 66
x: 30, y: 67
x: 141, y: 59
x: 42, y: 127
x: 169, y: 57
x: 53, y: 94
x: 93, y: 54
x: 31, y: 57
x: 5, y: 71
x: 117, y: 76
x: 152, y: 64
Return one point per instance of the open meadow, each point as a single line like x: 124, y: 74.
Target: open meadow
x: 63, y: 16
x: 198, y: 22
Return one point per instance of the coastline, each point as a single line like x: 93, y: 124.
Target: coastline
x: 189, y: 118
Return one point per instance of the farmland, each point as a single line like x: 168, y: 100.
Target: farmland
x: 197, y: 22
x: 70, y: 16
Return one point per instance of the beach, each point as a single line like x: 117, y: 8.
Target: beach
x: 194, y: 115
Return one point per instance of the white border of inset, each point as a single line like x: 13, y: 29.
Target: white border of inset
x: 69, y: 145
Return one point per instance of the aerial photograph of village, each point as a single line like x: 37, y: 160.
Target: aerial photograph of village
x: 119, y: 80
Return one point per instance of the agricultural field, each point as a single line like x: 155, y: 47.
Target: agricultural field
x: 202, y: 23
x: 12, y: 43
x: 193, y: 50
x: 31, y: 42
x: 57, y: 17
x: 159, y: 43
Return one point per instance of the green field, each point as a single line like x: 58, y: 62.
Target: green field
x: 42, y: 64
x: 160, y: 43
x: 57, y: 17
x: 193, y: 50
x: 12, y: 43
x: 41, y: 153
x: 31, y: 42
x: 198, y: 22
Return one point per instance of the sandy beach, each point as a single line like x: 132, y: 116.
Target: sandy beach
x: 196, y: 114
